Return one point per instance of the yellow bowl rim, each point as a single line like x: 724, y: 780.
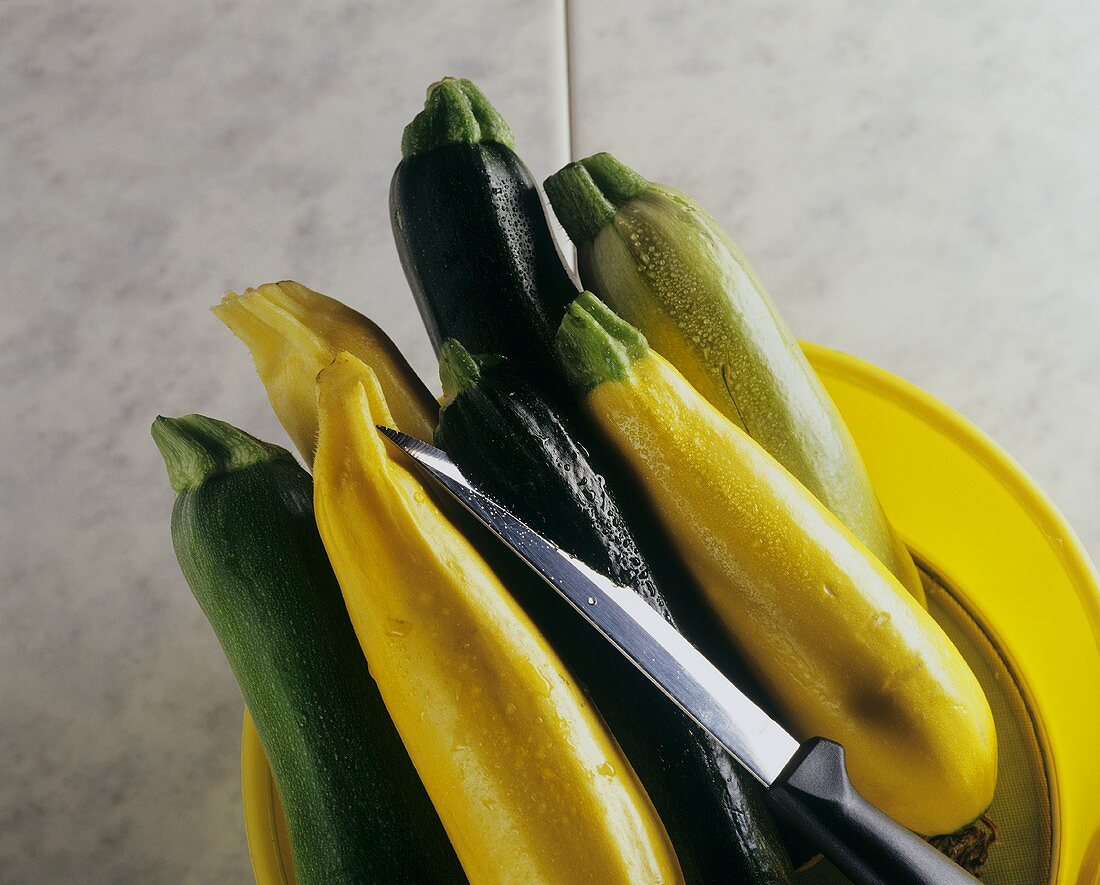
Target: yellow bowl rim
x: 996, y: 460
x: 1017, y: 482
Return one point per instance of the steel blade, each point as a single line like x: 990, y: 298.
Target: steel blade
x: 674, y: 665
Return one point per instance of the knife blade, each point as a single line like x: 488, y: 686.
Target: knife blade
x: 808, y: 781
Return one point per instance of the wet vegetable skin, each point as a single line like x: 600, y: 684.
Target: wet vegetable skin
x: 526, y: 778
x: 840, y: 646
x: 665, y: 265
x: 506, y: 436
x: 245, y: 537
x: 471, y: 231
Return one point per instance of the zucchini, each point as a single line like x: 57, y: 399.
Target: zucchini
x: 245, y: 537
x: 505, y: 436
x: 843, y: 650
x: 527, y: 779
x: 483, y: 267
x: 656, y: 258
x: 471, y: 231
x: 294, y: 332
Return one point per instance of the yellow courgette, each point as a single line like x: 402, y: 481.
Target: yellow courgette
x: 294, y: 332
x: 843, y: 650
x: 664, y: 264
x: 529, y: 784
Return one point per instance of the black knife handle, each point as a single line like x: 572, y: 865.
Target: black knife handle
x: 864, y: 844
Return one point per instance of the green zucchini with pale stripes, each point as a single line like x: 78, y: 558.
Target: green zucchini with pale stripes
x: 246, y: 540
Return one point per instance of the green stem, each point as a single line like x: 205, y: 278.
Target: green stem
x: 619, y: 183
x: 459, y: 369
x: 595, y: 345
x: 455, y: 112
x: 587, y: 194
x: 195, y: 448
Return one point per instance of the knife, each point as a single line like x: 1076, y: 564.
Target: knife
x: 808, y: 781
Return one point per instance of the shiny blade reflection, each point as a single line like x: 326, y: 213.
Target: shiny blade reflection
x: 623, y: 617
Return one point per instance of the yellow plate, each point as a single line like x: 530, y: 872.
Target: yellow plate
x: 1012, y: 587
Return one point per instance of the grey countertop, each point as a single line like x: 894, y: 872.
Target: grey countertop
x: 918, y: 184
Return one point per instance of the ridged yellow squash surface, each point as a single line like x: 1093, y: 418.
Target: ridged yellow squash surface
x: 528, y: 782
x: 843, y: 650
x: 294, y: 332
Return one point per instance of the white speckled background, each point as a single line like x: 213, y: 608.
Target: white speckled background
x: 918, y: 183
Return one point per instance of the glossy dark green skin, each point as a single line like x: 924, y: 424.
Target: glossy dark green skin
x: 355, y: 808
x: 510, y: 440
x: 478, y: 252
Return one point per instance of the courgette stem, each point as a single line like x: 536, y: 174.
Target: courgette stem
x: 581, y: 207
x: 196, y: 448
x: 619, y: 183
x: 594, y: 345
x: 455, y: 112
x: 459, y: 369
x: 587, y: 194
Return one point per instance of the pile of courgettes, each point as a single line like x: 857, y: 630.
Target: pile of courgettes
x: 429, y: 710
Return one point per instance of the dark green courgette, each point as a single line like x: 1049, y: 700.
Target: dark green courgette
x: 471, y: 231
x: 482, y: 264
x: 245, y: 537
x: 506, y: 436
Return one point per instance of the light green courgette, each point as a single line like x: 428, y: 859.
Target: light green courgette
x: 665, y: 265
